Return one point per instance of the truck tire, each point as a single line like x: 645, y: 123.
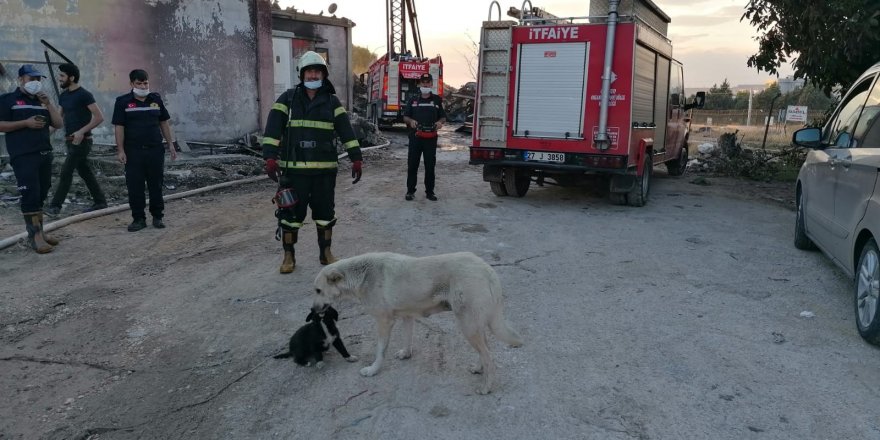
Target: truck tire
x: 639, y: 195
x: 678, y: 166
x: 515, y: 183
x: 498, y: 189
x: 801, y: 241
x: 617, y: 198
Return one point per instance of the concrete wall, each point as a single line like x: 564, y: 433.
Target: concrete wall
x: 323, y: 35
x: 202, y: 55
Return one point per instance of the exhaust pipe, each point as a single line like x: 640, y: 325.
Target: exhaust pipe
x: 602, y: 140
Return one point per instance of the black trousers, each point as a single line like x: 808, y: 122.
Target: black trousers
x: 78, y: 160
x: 318, y: 192
x: 417, y: 148
x: 33, y: 173
x: 145, y: 165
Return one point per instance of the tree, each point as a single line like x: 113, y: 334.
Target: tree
x: 361, y: 58
x: 719, y: 97
x: 762, y: 99
x: 830, y: 42
x: 741, y: 101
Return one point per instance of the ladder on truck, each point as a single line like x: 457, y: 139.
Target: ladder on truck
x: 494, y: 71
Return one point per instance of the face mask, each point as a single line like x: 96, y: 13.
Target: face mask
x: 313, y: 84
x: 425, y: 90
x: 33, y: 87
x: 140, y: 93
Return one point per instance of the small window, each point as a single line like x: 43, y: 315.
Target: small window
x: 324, y: 54
x: 839, y: 132
x: 676, y: 86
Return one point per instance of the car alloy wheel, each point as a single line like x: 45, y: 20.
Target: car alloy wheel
x: 868, y: 293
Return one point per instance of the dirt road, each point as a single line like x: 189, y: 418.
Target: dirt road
x: 677, y: 320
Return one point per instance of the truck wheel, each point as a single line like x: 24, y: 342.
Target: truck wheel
x: 498, y: 188
x: 867, y: 292
x: 801, y: 241
x: 617, y: 198
x: 515, y: 183
x: 678, y: 166
x: 639, y: 195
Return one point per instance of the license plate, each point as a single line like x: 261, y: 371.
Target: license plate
x: 543, y: 156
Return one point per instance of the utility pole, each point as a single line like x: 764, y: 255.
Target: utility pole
x: 749, y: 113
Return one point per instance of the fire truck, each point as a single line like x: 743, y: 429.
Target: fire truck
x: 393, y: 78
x: 565, y: 98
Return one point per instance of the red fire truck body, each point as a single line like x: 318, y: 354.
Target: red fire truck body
x: 539, y: 107
x: 392, y: 81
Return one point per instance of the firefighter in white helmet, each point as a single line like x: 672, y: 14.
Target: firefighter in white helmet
x: 300, y: 154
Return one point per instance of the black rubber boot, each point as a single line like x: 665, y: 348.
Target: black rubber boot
x: 325, y: 237
x: 288, y: 239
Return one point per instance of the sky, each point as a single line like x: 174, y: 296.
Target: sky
x: 707, y: 35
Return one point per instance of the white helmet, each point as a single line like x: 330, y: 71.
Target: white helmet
x: 311, y: 59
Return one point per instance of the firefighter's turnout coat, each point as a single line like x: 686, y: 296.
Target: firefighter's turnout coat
x: 300, y: 133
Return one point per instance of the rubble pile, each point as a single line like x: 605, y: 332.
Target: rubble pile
x: 729, y: 157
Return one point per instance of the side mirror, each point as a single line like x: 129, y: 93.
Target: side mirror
x: 810, y: 137
x: 699, y: 101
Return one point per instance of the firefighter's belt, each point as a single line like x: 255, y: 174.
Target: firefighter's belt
x: 307, y: 145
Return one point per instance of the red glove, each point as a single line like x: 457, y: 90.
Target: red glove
x: 272, y: 169
x: 356, y: 170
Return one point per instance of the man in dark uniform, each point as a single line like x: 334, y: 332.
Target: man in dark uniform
x: 140, y: 121
x: 301, y: 156
x: 25, y: 117
x: 81, y: 114
x: 424, y: 115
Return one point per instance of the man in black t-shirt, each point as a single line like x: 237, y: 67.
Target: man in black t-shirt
x: 81, y: 114
x: 424, y: 115
x: 140, y: 122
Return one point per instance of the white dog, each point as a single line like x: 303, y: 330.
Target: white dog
x: 393, y: 285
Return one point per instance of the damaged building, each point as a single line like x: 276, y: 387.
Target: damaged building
x: 212, y: 60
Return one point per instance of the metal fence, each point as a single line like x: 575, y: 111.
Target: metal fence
x: 720, y: 118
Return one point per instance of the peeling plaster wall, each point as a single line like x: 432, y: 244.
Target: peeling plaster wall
x: 202, y: 55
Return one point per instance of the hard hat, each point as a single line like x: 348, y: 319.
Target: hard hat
x: 311, y: 59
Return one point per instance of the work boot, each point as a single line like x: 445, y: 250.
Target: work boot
x: 288, y: 239
x: 325, y: 236
x: 137, y: 224
x: 51, y: 240
x: 35, y: 236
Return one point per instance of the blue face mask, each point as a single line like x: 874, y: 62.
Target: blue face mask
x: 313, y: 84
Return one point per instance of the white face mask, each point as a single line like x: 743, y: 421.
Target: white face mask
x: 140, y: 93
x: 33, y: 87
x: 313, y: 84
x: 425, y: 90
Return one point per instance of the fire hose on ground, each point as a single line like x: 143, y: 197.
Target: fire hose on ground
x: 6, y: 242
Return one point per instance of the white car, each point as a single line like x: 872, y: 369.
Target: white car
x: 838, y: 195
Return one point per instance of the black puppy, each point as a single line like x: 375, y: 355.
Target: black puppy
x: 313, y: 339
